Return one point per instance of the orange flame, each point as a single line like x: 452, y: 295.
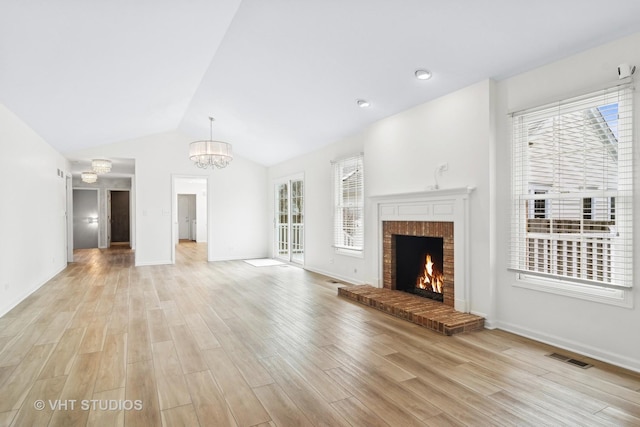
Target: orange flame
x: 431, y: 278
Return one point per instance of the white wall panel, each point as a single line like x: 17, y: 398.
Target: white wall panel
x: 32, y: 211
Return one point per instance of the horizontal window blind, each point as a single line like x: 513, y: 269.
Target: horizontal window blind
x: 348, y: 179
x: 572, y: 185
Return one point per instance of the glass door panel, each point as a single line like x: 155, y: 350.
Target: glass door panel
x: 282, y: 220
x: 289, y: 220
x: 297, y: 221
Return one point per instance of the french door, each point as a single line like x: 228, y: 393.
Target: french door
x: 289, y: 220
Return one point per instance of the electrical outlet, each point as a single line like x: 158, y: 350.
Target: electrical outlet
x: 443, y: 167
x: 355, y: 270
x: 6, y: 287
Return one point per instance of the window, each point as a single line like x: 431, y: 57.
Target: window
x: 572, y: 191
x: 348, y: 185
x: 539, y: 206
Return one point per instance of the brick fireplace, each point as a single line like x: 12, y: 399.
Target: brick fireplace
x: 391, y: 230
x: 439, y: 213
x: 440, y: 217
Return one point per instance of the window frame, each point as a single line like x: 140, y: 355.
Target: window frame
x: 561, y: 284
x: 356, y: 203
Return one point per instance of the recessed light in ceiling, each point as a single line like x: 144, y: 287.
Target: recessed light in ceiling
x: 362, y: 103
x: 423, y: 74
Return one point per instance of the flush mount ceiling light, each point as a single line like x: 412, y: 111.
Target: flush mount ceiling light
x: 89, y: 177
x: 210, y: 153
x: 363, y: 103
x: 101, y: 166
x: 423, y: 74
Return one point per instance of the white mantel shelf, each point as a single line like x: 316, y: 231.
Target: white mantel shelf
x: 427, y: 194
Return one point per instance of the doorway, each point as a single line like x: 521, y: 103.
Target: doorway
x: 289, y: 219
x: 187, y: 217
x: 119, y: 217
x: 190, y: 212
x: 85, y: 218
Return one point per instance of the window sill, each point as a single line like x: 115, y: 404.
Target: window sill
x: 616, y: 297
x: 350, y: 252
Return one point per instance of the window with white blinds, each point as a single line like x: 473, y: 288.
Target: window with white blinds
x: 572, y: 187
x: 348, y: 185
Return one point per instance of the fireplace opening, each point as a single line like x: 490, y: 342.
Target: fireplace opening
x: 419, y: 265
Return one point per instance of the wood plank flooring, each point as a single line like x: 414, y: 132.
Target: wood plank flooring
x: 228, y: 344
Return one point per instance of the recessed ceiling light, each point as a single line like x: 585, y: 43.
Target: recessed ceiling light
x: 362, y: 103
x: 423, y: 74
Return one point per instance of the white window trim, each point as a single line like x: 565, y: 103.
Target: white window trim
x: 350, y: 252
x: 621, y: 297
x: 532, y: 209
x: 341, y: 250
x: 609, y: 296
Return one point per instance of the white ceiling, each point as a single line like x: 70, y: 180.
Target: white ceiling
x: 281, y: 77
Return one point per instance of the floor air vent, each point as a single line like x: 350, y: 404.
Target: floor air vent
x: 574, y: 362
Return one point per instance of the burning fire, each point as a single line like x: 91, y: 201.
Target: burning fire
x: 431, y: 278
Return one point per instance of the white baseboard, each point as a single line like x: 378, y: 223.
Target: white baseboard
x: 14, y: 302
x: 150, y: 263
x: 240, y: 258
x: 488, y: 323
x: 333, y: 275
x: 632, y: 364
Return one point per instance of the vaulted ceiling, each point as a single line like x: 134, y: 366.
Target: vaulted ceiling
x: 281, y: 77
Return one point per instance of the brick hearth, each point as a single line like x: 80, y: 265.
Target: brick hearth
x: 421, y: 311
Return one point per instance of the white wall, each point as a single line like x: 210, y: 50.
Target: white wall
x: 320, y: 255
x: 401, y: 153
x: 32, y: 211
x: 236, y: 195
x: 471, y: 131
x: 602, y: 331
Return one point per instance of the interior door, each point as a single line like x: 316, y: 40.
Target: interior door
x: 120, y: 222
x: 85, y: 219
x: 186, y: 216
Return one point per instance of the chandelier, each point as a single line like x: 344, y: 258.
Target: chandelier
x: 89, y: 177
x: 101, y: 165
x: 210, y: 153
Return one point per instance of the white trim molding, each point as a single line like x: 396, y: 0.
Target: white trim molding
x: 443, y: 205
x: 570, y: 345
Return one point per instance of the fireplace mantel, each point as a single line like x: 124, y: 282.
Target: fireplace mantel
x: 439, y: 205
x: 432, y: 193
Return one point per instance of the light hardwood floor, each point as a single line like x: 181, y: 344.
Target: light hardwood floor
x: 226, y: 344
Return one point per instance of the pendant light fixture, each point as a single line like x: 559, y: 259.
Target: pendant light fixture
x: 210, y: 153
x: 89, y: 177
x: 101, y: 166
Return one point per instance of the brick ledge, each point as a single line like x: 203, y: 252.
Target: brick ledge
x: 421, y: 311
